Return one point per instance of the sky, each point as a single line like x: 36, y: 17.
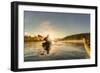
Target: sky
x: 55, y: 24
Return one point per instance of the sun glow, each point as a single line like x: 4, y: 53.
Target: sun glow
x: 46, y: 29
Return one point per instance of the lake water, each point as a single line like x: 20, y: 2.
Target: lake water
x: 59, y: 51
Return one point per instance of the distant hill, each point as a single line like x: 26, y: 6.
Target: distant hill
x: 32, y: 39
x: 77, y: 36
x: 80, y: 36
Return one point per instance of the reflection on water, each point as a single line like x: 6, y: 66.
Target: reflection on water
x: 59, y: 51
